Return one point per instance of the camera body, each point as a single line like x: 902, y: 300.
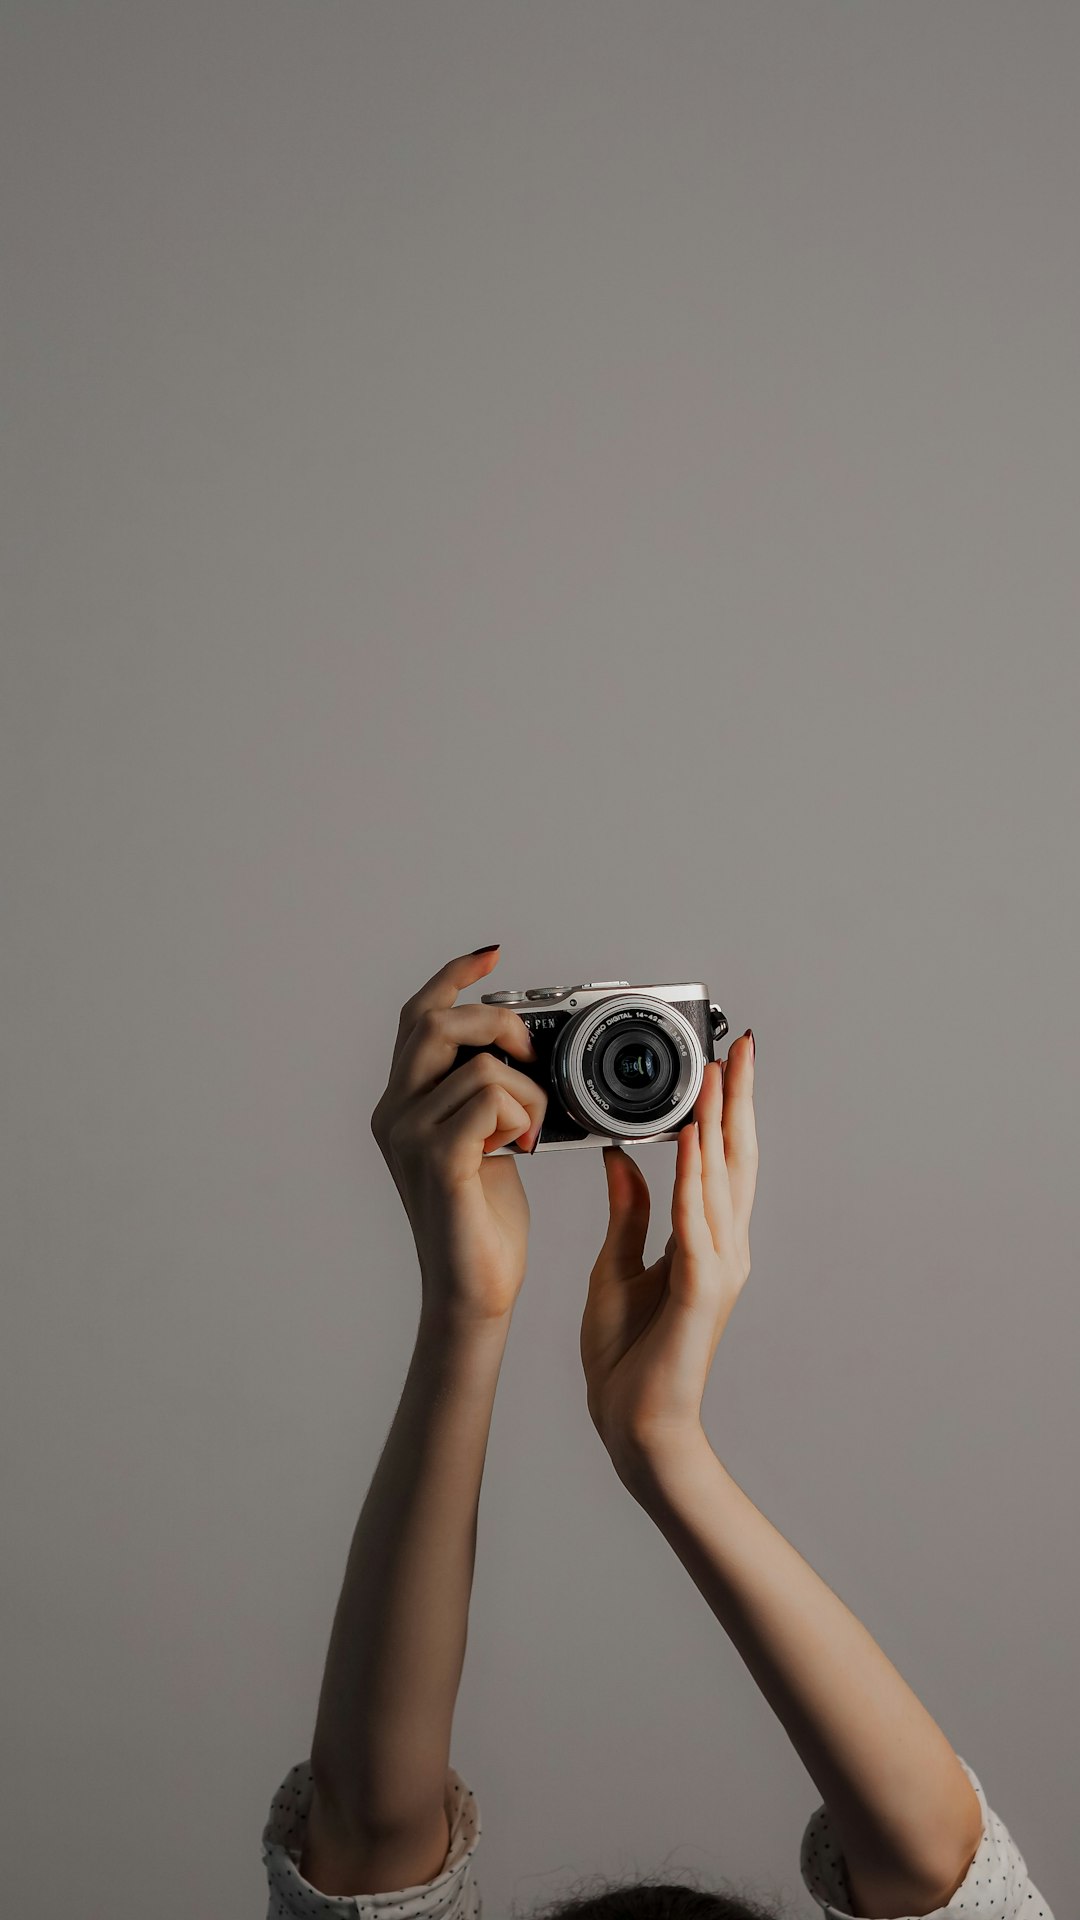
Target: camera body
x: 620, y: 1064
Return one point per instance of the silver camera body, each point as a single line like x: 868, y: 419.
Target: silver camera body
x: 620, y: 1064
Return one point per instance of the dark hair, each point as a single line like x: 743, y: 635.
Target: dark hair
x: 598, y: 1898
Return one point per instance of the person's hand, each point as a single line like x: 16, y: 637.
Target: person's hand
x: 648, y: 1334
x: 469, y: 1215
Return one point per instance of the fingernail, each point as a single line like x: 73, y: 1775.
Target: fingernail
x: 536, y: 1142
x: 490, y: 948
x: 753, y: 1044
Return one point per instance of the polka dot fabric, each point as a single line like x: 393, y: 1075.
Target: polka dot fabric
x: 452, y: 1895
x: 997, y: 1885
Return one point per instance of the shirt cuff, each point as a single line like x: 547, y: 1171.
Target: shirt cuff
x: 996, y: 1886
x: 451, y: 1895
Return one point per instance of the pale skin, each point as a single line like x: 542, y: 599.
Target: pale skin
x: 905, y: 1812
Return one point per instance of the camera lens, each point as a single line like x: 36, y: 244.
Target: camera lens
x: 629, y: 1066
x: 634, y: 1067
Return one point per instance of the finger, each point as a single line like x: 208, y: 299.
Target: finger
x: 629, y: 1207
x: 490, y: 1118
x: 429, y: 1052
x: 483, y: 1070
x: 443, y: 988
x: 689, y: 1223
x: 716, y: 1191
x: 740, y: 1131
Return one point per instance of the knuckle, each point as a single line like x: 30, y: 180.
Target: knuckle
x: 511, y: 1112
x: 429, y: 1024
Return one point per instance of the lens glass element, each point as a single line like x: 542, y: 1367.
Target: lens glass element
x: 636, y: 1066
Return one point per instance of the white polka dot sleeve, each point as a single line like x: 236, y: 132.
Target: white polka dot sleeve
x: 997, y: 1885
x: 452, y: 1895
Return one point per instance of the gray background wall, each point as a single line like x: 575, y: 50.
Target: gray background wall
x: 603, y: 477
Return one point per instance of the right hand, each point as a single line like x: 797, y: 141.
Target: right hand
x: 437, y: 1126
x: 648, y: 1334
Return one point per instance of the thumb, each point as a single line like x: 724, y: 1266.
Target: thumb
x: 623, y: 1250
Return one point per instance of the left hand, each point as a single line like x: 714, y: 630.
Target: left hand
x: 469, y: 1215
x: 649, y: 1334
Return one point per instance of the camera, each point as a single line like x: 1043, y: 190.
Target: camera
x: 618, y: 1063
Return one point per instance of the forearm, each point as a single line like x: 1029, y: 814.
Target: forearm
x: 381, y: 1744
x: 905, y: 1812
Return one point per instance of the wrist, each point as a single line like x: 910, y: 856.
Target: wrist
x: 446, y: 1337
x: 653, y: 1470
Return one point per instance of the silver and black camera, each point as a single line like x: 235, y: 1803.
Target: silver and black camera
x: 618, y: 1063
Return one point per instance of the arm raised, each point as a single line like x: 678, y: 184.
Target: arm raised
x: 381, y: 1745
x: 907, y: 1816
x: 906, y: 1813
